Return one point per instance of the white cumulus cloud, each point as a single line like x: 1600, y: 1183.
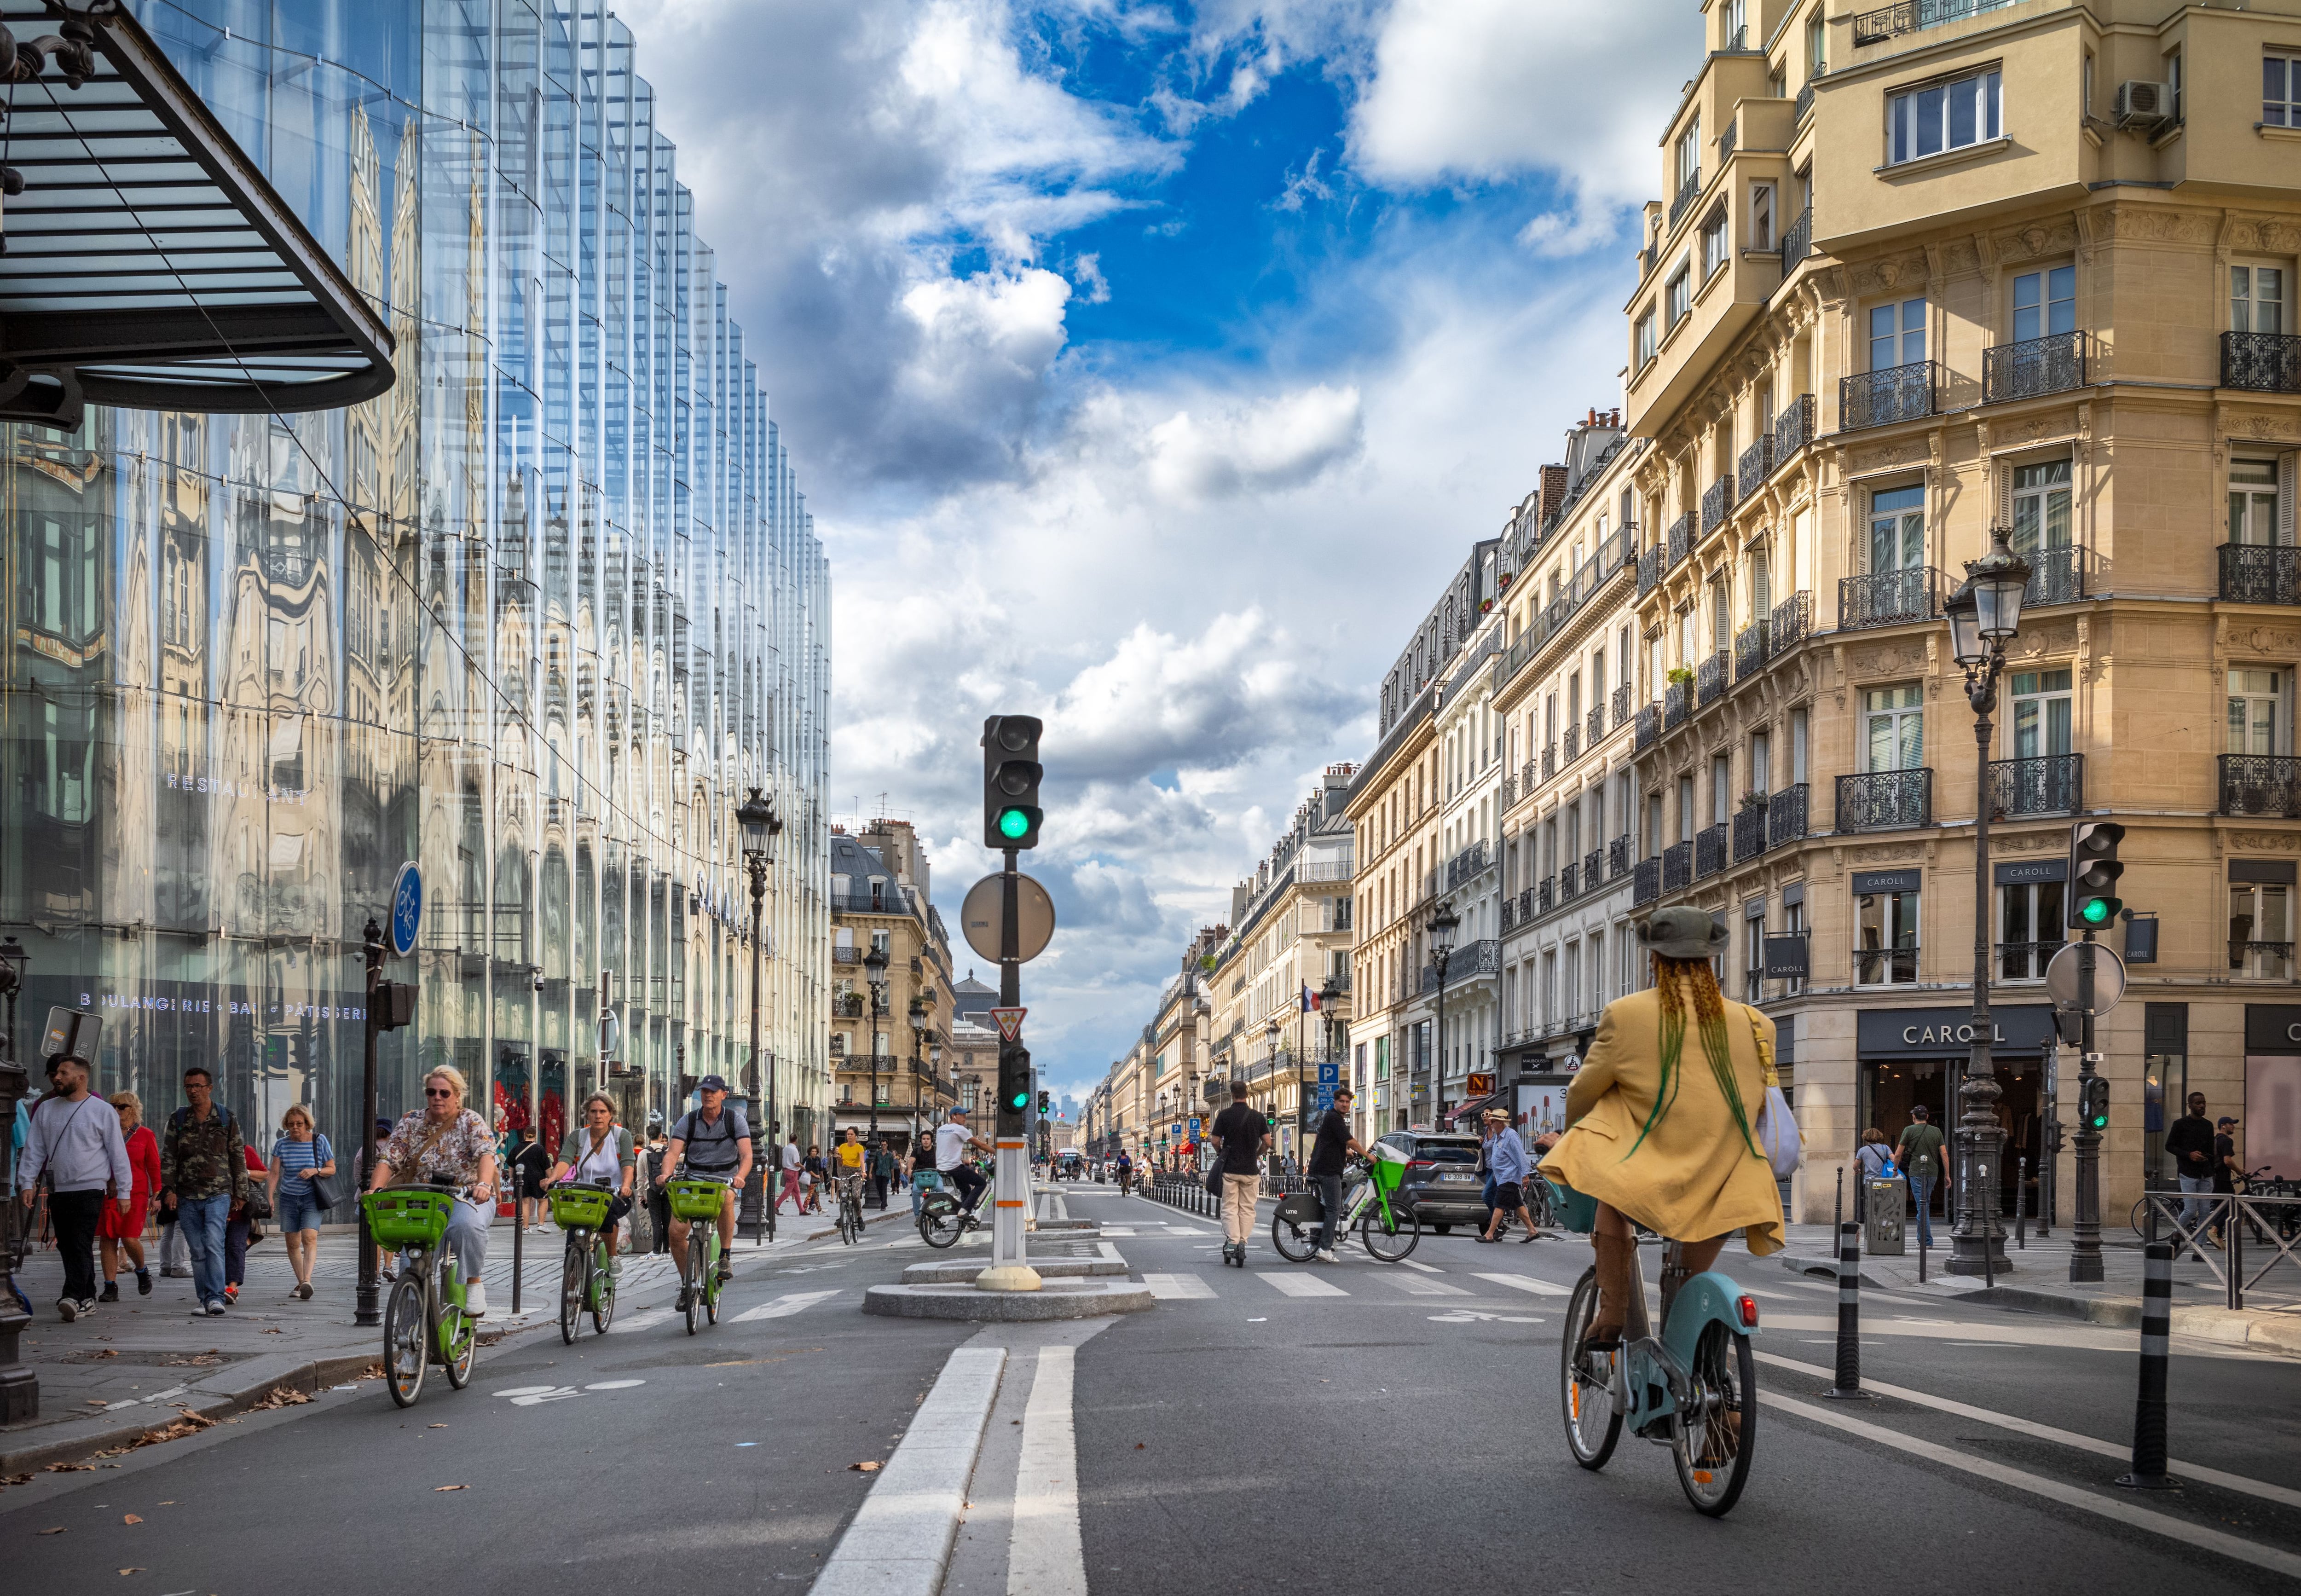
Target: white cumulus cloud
x: 1276, y: 443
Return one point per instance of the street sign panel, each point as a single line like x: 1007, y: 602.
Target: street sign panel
x: 1330, y: 1073
x: 1194, y: 1129
x: 1010, y: 1023
x: 1326, y: 1095
x: 2108, y: 978
x: 1034, y: 918
x: 406, y: 908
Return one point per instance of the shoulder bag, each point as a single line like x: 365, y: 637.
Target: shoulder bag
x: 1777, y: 1128
x: 327, y: 1190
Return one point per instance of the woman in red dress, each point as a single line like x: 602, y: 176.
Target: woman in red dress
x: 117, y: 1231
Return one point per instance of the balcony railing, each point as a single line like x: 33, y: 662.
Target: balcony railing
x: 2051, y: 784
x: 1646, y: 885
x: 1756, y: 464
x: 2269, y: 961
x: 1549, y: 762
x: 1621, y: 706
x: 1884, y: 966
x: 1785, y: 816
x: 1681, y: 540
x: 1530, y: 777
x: 1715, y: 500
x: 1650, y: 569
x: 1886, y: 800
x: 2056, y: 576
x: 1793, y: 428
x: 1805, y: 107
x: 1904, y: 393
x: 1677, y: 703
x: 1876, y: 27
x: 1710, y: 679
x: 1649, y: 731
x: 2265, y: 362
x: 1886, y: 598
x: 1594, y: 726
x: 2261, y: 784
x: 1676, y: 867
x: 1508, y: 791
x: 1749, y: 831
x: 2035, y: 366
x: 1569, y: 882
x: 1688, y: 192
x: 1788, y: 627
x: 1569, y: 745
x: 2254, y: 573
x: 2026, y: 961
x: 1709, y: 845
x: 1749, y: 652
x: 1594, y: 869
x: 1545, y: 895
x: 1727, y: 140
x: 1472, y: 862
x: 1617, y: 858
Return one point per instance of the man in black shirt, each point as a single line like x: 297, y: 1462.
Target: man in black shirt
x: 1334, y: 1146
x: 1242, y: 1134
x: 2189, y: 1143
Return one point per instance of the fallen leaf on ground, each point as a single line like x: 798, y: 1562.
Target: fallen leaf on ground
x: 1138, y: 1446
x: 435, y: 1426
x: 15, y: 1479
x: 451, y: 1487
x: 98, y: 1402
x: 169, y: 1503
x: 273, y: 1332
x: 130, y: 1518
x: 69, y: 1469
x: 131, y: 1571
x: 57, y: 1531
x: 280, y: 1396
x: 864, y: 1468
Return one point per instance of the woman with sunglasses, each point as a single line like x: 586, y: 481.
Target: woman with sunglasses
x: 445, y: 1141
x: 599, y: 1151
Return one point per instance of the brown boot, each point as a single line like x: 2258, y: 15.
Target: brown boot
x: 1605, y: 1331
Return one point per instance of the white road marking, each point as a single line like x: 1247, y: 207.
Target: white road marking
x: 1527, y: 1283
x: 1300, y: 1285
x: 652, y: 1316
x: 1425, y: 1268
x: 1415, y: 1286
x: 781, y: 1308
x: 2121, y: 1511
x: 2068, y: 1437
x: 1178, y: 1287
x: 1109, y: 1252
x: 899, y: 1542
x: 1463, y: 1315
x: 1044, y: 1556
x: 614, y: 1384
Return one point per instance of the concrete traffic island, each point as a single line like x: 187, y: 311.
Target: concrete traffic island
x: 958, y: 1272
x: 1059, y: 1299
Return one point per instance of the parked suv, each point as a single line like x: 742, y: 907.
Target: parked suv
x: 1441, y: 1178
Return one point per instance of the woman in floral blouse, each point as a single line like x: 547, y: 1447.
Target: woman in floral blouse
x: 444, y: 1140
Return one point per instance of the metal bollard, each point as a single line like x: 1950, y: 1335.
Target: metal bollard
x: 2149, y: 1407
x: 2020, y: 1204
x: 1848, y: 1386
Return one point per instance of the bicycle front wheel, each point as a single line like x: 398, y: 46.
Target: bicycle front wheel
x: 698, y: 1269
x: 1390, y: 1232
x: 602, y: 1298
x: 572, y: 1268
x: 1585, y: 1390
x: 1715, y: 1432
x: 404, y: 1355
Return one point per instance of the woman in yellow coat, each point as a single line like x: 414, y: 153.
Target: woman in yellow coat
x: 1661, y: 1120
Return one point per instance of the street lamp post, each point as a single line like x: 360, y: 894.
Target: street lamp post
x: 759, y: 824
x: 1983, y: 615
x: 1270, y: 1037
x: 874, y: 969
x: 20, y: 1387
x: 1442, y: 924
x: 918, y: 1058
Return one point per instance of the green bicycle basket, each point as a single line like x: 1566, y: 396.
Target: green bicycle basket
x: 580, y: 1206
x: 691, y: 1198
x: 408, y: 1215
x: 1387, y: 1172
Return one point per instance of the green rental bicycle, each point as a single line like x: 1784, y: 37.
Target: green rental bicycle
x: 587, y: 1279
x: 696, y: 1199
x: 1386, y: 1223
x: 850, y: 1209
x: 424, y: 1318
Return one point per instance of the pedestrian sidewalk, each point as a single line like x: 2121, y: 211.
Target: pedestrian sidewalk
x: 2039, y: 1283
x: 107, y: 1379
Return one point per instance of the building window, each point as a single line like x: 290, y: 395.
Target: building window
x: 2257, y: 293
x: 1944, y: 116
x: 1761, y: 217
x: 1680, y: 302
x: 1898, y: 529
x: 1887, y: 951
x: 1794, y: 925
x: 1646, y: 340
x: 1897, y: 334
x: 1894, y: 728
x: 2044, y: 302
x: 1753, y: 958
x: 2280, y: 91
x: 1715, y: 235
x: 2253, y: 504
x: 2041, y: 508
x: 2030, y: 916
x: 2257, y: 719
x: 2261, y: 930
x: 1817, y: 46
x: 1689, y: 155
x: 2041, y: 713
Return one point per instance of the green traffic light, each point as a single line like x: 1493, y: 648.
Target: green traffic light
x: 1013, y: 822
x: 1018, y: 1101
x: 2094, y: 911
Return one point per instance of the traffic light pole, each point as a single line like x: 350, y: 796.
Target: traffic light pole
x: 2085, y: 1252
x: 1010, y: 1193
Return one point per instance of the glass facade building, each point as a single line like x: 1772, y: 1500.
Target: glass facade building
x: 535, y: 618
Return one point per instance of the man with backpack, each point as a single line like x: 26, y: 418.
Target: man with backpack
x: 203, y: 1177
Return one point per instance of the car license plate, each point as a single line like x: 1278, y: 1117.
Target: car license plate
x: 1458, y: 1180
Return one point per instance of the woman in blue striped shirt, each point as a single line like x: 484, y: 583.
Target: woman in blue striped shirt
x: 300, y: 1153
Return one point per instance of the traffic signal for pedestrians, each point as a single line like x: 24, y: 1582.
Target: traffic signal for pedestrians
x: 395, y: 1005
x: 1011, y: 773
x: 1014, y: 1078
x: 2093, y: 1102
x: 2094, y: 870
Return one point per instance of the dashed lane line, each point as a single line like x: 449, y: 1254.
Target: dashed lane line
x: 1527, y: 1283
x: 782, y: 1307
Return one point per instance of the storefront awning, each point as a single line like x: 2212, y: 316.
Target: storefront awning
x: 147, y: 261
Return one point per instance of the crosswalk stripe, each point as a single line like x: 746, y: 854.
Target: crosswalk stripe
x: 1300, y: 1285
x: 1527, y: 1283
x: 1178, y: 1287
x: 781, y: 1308
x: 1424, y: 1268
x: 1414, y: 1285
x: 654, y: 1316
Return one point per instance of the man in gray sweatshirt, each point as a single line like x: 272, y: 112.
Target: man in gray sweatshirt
x: 75, y: 1140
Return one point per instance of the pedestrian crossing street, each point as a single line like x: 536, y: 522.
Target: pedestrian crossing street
x: 1373, y: 1283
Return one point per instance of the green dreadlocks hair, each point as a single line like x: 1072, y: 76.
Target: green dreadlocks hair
x: 1709, y: 1019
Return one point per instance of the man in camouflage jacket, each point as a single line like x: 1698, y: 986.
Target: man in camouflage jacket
x: 203, y: 1177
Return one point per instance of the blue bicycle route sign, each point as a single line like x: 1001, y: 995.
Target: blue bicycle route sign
x: 406, y: 908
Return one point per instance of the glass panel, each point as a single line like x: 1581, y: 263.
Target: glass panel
x: 2027, y: 289
x: 1929, y: 121
x: 1914, y: 330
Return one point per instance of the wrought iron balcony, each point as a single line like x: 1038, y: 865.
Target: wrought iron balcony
x: 2263, y: 362
x: 2261, y: 784
x: 1593, y: 728
x: 1903, y: 393
x: 1681, y: 539
x: 2271, y: 961
x: 1756, y: 464
x: 1715, y: 500
x: 1710, y: 679
x: 1569, y: 882
x: 1508, y: 791
x: 1688, y: 192
x: 1509, y: 915
x: 1797, y: 240
x: 1621, y: 705
x: 1785, y: 816
x: 1594, y: 869
x: 1650, y: 569
x: 1794, y: 426
x: 1792, y: 619
x: 1749, y: 652
x: 1911, y: 16
x: 1676, y: 867
x: 1727, y: 140
x: 2255, y: 574
x: 2056, y: 576
x: 1649, y: 731
x: 1677, y: 703
x: 2035, y: 366
x: 1618, y: 857
x: 1471, y: 863
x: 1646, y: 886
x: 2026, y: 961
x: 1709, y: 845
x: 1545, y: 895
x: 1749, y: 831
x: 1804, y: 102
x: 1569, y: 745
x: 1549, y: 762
x: 1886, y: 598
x: 1886, y: 800
x: 2051, y: 784
x: 1884, y: 966
x: 1530, y: 777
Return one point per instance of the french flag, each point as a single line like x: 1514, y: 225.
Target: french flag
x: 1309, y: 1000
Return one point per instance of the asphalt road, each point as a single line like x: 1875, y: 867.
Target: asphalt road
x: 1397, y: 1428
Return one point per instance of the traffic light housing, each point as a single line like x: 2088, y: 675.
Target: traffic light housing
x: 2093, y: 1103
x: 1011, y: 773
x: 1014, y: 1080
x: 1046, y: 1104
x: 2094, y: 870
x: 395, y: 1005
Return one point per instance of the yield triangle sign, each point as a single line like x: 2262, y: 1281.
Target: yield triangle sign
x: 1010, y: 1023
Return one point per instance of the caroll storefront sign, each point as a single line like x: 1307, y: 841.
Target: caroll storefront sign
x: 2022, y: 1028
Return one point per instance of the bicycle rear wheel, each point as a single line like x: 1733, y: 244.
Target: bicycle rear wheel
x: 1713, y: 1440
x: 404, y: 1354
x: 941, y: 1223
x: 602, y: 1298
x: 1390, y: 1232
x: 1293, y: 1243
x: 1584, y: 1383
x: 572, y: 1268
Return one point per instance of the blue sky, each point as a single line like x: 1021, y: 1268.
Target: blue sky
x: 1149, y: 367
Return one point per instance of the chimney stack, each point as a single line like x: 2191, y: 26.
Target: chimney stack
x: 1553, y: 491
